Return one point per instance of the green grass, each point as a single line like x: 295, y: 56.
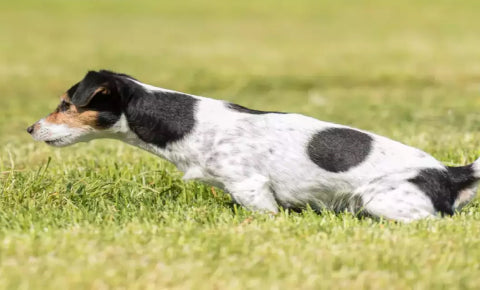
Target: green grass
x: 104, y: 215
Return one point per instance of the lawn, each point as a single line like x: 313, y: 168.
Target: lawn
x: 105, y: 215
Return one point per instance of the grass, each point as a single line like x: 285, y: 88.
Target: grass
x: 104, y: 215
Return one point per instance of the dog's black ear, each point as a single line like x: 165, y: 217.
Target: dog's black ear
x: 93, y: 83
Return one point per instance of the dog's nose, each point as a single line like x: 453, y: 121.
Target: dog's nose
x: 30, y: 129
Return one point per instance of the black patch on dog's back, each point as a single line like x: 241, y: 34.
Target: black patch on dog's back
x: 339, y: 149
x: 160, y: 117
x: 443, y: 186
x: 242, y: 109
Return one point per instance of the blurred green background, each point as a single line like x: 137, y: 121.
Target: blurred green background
x: 357, y: 62
x: 409, y: 70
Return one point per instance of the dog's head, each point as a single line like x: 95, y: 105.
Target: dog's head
x: 86, y: 111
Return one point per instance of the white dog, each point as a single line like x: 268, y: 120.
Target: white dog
x: 262, y: 159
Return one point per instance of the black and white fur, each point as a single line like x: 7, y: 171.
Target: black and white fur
x: 265, y: 160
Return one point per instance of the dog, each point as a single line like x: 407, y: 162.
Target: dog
x: 264, y: 160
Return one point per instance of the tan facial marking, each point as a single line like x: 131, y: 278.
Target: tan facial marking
x: 103, y: 90
x: 65, y: 97
x: 74, y: 118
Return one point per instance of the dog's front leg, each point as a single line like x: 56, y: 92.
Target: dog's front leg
x: 253, y: 193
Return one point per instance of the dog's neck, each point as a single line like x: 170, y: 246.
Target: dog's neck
x: 158, y: 121
x: 174, y: 153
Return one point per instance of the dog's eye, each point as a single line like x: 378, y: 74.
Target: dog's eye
x: 64, y: 106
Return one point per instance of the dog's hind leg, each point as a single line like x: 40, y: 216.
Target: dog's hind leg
x: 399, y: 201
x: 253, y: 193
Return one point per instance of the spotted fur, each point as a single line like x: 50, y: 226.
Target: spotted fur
x: 264, y: 160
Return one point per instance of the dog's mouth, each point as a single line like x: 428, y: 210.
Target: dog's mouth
x: 57, y: 141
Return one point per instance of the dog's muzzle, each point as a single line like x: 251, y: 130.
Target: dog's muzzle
x: 30, y: 129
